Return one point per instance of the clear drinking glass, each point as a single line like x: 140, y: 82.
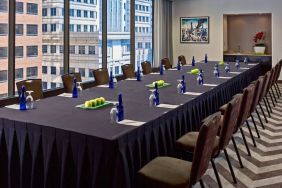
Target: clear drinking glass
x: 114, y: 113
x: 179, y: 88
x: 79, y: 89
x: 29, y: 100
x: 152, y: 99
x: 115, y: 82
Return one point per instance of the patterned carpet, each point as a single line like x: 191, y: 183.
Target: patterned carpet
x: 264, y: 168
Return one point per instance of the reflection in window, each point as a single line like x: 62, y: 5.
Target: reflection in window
x: 32, y: 8
x: 31, y: 51
x: 31, y: 72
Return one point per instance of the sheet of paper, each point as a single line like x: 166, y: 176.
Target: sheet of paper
x: 169, y: 106
x: 193, y: 93
x: 154, y: 73
x: 235, y: 72
x: 13, y: 106
x: 211, y: 85
x: 132, y: 79
x: 222, y: 77
x: 103, y: 86
x: 67, y: 95
x: 131, y: 122
x: 244, y: 68
x: 252, y: 64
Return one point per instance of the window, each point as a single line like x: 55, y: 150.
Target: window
x: 93, y: 2
x: 72, y: 50
x: 139, y: 45
x: 19, y: 7
x: 85, y: 28
x: 72, y: 70
x: 32, y: 8
x: 53, y: 11
x: 78, y: 13
x: 91, y: 14
x: 19, y: 74
x: 53, y: 85
x: 44, y: 49
x: 44, y: 69
x: 61, y: 70
x: 44, y: 12
x: 44, y: 28
x: 78, y: 28
x: 53, y: 70
x: 91, y: 28
x: 71, y: 27
x: 19, y: 29
x: 31, y: 51
x: 53, y: 49
x: 91, y: 50
x: 85, y: 1
x: 44, y: 85
x: 148, y: 45
x: 3, y: 75
x: 85, y: 14
x: 31, y: 30
x: 3, y: 29
x: 53, y: 27
x: 116, y: 70
x: 3, y: 5
x: 82, y: 72
x: 71, y: 12
x: 81, y: 49
x: 31, y: 72
x: 61, y: 49
x: 91, y: 73
x: 19, y: 51
x: 3, y: 52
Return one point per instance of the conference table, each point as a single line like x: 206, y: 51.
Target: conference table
x: 59, y: 145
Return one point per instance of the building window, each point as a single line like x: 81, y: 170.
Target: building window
x: 3, y: 29
x: 53, y: 70
x: 44, y: 69
x: 91, y: 28
x: 53, y: 49
x: 61, y: 70
x: 78, y: 28
x: 44, y: 28
x: 139, y: 45
x: 3, y: 5
x: 148, y: 45
x: 44, y: 12
x: 81, y: 49
x: 72, y: 50
x: 71, y: 27
x: 53, y: 27
x: 53, y: 11
x: 82, y: 72
x: 91, y: 14
x: 91, y: 50
x: 63, y: 12
x: 72, y: 70
x: 19, y: 7
x: 44, y: 49
x: 53, y: 85
x: 19, y: 74
x: 91, y: 73
x: 85, y: 28
x: 44, y: 85
x: 3, y: 75
x: 71, y: 12
x: 78, y: 13
x: 31, y: 51
x: 116, y: 70
x: 61, y: 49
x: 85, y: 14
x: 3, y: 52
x: 31, y: 72
x: 32, y: 8
x: 31, y: 30
x: 19, y: 29
x: 19, y: 51
x: 85, y: 1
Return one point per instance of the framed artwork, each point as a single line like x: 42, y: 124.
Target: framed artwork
x: 194, y: 30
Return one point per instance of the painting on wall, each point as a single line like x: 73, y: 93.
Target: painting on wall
x: 194, y: 29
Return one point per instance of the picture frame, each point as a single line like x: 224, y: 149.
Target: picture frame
x: 195, y: 30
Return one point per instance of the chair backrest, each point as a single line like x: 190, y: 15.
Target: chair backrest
x: 166, y: 63
x: 247, y: 100
x: 182, y: 59
x: 229, y: 121
x: 258, y: 90
x: 146, y: 67
x: 101, y: 76
x: 128, y: 71
x: 204, y: 147
x: 271, y: 77
x: 264, y: 86
x: 68, y: 81
x: 34, y: 85
x: 277, y: 72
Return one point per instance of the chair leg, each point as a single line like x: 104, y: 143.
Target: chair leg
x: 272, y: 100
x: 230, y: 166
x: 216, y: 174
x: 262, y: 125
x: 202, y: 183
x: 237, y: 152
x: 270, y: 109
x: 251, y: 134
x: 255, y: 125
x: 277, y: 92
x: 266, y: 120
x: 278, y: 88
x: 273, y: 94
x: 245, y: 142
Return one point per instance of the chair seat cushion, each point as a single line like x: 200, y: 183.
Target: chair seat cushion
x: 165, y: 172
x: 188, y: 142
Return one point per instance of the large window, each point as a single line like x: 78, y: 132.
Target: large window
x: 3, y: 29
x: 143, y: 31
x: 31, y: 29
x: 19, y: 7
x: 32, y: 8
x: 118, y: 14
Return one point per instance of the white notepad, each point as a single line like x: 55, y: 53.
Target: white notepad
x: 67, y: 95
x: 193, y: 93
x: 210, y: 85
x: 132, y: 79
x: 222, y: 77
x: 235, y: 72
x: 131, y: 122
x: 252, y: 64
x: 103, y: 86
x: 169, y: 106
x: 244, y: 68
x: 13, y: 106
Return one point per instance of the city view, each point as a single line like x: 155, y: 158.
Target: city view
x: 40, y: 36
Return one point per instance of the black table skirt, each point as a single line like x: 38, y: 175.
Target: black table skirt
x: 45, y: 157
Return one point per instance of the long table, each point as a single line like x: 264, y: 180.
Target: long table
x: 59, y: 145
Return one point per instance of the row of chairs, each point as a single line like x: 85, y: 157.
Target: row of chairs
x: 101, y: 77
x: 214, y: 136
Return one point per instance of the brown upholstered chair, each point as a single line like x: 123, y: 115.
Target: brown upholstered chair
x: 34, y: 85
x: 277, y: 70
x: 146, y: 67
x: 68, y: 81
x: 263, y: 93
x: 167, y: 172
x: 182, y: 59
x: 101, y: 76
x: 187, y: 143
x: 279, y: 67
x: 166, y: 63
x: 128, y: 71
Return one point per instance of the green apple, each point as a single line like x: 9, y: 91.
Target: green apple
x: 195, y: 71
x: 98, y: 101
x: 161, y: 82
x: 93, y: 103
x: 87, y: 104
x: 102, y: 99
x: 221, y: 63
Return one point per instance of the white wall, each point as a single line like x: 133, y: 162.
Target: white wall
x: 215, y: 9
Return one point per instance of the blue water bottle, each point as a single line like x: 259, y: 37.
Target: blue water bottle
x: 138, y: 76
x: 179, y: 65
x: 157, y: 95
x: 120, y: 108
x: 161, y: 69
x: 206, y: 58
x: 183, y: 84
x: 193, y: 61
x: 23, y: 99
x: 200, y: 79
x: 74, y: 89
x: 111, y: 80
